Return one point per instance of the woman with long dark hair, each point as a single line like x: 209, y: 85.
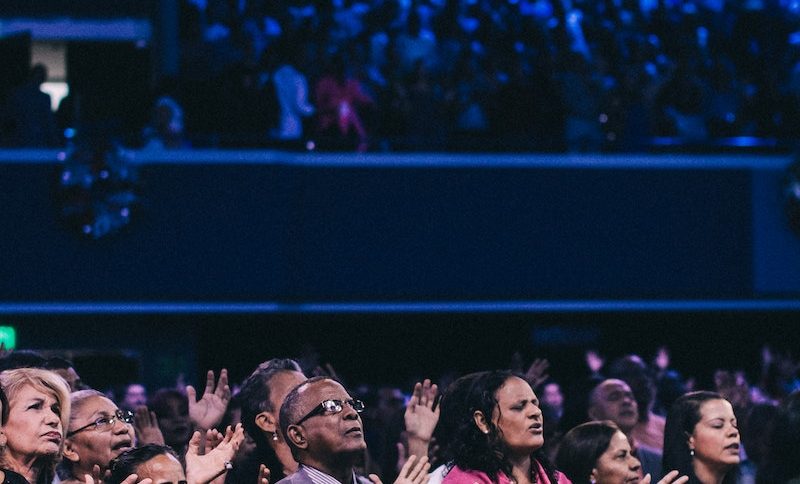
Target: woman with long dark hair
x: 701, y: 439
x: 498, y: 438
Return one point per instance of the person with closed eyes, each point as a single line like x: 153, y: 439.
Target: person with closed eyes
x: 701, y: 439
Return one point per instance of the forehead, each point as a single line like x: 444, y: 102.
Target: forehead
x: 318, y: 391
x: 31, y: 392
x: 717, y: 408
x: 610, y: 386
x: 514, y: 389
x: 618, y: 442
x: 95, y: 405
x: 161, y: 468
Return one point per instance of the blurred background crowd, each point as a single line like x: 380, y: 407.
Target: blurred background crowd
x: 465, y: 75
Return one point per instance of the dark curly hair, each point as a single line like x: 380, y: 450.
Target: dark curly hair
x: 470, y: 448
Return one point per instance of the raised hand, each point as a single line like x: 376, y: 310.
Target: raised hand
x: 537, y: 372
x: 670, y: 478
x: 594, y: 361
x: 131, y: 479
x: 662, y: 358
x: 263, y: 474
x: 421, y: 417
x: 145, y: 424
x: 414, y: 471
x: 216, y: 461
x: 207, y: 412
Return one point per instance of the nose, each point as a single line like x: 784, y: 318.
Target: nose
x: 348, y: 412
x: 119, y: 426
x: 52, y: 419
x: 634, y: 464
x: 535, y: 412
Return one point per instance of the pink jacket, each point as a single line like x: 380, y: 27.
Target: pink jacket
x: 460, y: 476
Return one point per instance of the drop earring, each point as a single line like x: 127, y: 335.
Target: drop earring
x: 275, y: 436
x: 691, y: 452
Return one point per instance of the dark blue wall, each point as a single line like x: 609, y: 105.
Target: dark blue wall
x: 300, y: 233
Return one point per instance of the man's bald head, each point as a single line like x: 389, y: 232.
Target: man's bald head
x: 613, y: 400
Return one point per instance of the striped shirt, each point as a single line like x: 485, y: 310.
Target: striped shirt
x: 319, y: 477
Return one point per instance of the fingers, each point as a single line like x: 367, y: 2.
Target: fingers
x: 263, y: 474
x: 134, y: 479
x: 194, y: 444
x: 96, y: 473
x: 209, y: 382
x: 191, y: 394
x: 223, y: 390
x: 88, y: 479
x: 645, y: 479
x: 237, y: 437
x: 408, y: 465
x: 212, y: 439
x: 672, y: 478
x: 418, y: 471
x: 375, y: 479
x: 423, y: 397
x: 416, y: 395
x: 143, y: 417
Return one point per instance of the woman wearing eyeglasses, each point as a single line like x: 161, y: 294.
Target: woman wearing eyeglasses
x: 38, y: 413
x: 98, y: 431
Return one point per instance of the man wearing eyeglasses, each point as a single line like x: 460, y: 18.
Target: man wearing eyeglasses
x: 322, y: 426
x: 323, y: 429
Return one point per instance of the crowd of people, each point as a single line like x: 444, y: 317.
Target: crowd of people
x: 552, y: 75
x: 629, y: 421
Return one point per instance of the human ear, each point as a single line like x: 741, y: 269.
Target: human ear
x: 69, y: 452
x: 3, y: 439
x: 480, y: 421
x: 296, y: 435
x: 266, y: 422
x: 593, y: 475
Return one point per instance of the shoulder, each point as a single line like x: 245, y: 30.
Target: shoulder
x: 541, y: 475
x: 10, y: 477
x: 363, y: 480
x: 299, y: 477
x: 458, y: 475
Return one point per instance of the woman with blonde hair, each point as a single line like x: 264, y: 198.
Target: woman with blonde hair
x: 38, y: 414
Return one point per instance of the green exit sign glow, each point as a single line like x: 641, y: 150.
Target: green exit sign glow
x: 8, y: 337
